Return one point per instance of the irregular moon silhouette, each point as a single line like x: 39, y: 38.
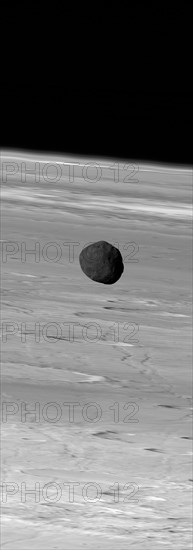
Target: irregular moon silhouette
x: 102, y: 262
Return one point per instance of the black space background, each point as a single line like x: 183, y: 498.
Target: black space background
x: 105, y: 82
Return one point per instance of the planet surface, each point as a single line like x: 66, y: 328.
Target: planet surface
x: 95, y: 379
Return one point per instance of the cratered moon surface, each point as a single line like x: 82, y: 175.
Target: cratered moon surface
x: 102, y: 262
